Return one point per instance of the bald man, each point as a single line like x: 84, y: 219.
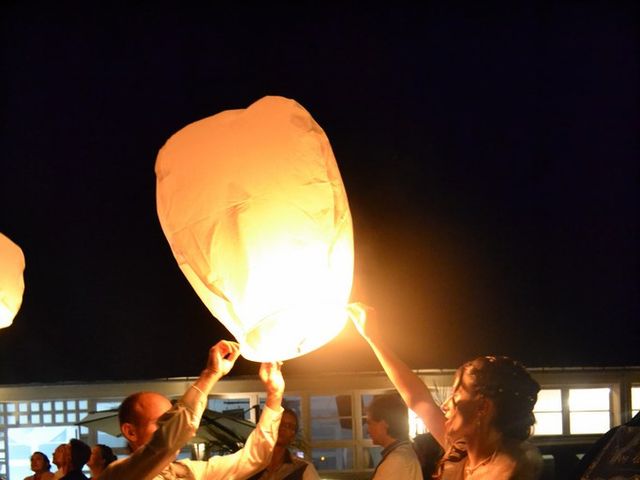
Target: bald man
x: 156, y: 430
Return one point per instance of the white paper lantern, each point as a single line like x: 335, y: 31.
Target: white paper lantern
x: 11, y: 280
x: 254, y: 208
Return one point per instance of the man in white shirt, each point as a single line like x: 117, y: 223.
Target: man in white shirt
x: 156, y: 430
x: 388, y: 425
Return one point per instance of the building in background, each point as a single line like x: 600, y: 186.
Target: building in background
x: 574, y: 408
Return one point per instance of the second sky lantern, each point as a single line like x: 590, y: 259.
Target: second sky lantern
x: 254, y: 208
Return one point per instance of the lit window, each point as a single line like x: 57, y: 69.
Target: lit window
x: 416, y: 425
x: 635, y: 400
x: 548, y: 413
x: 107, y: 405
x: 589, y: 410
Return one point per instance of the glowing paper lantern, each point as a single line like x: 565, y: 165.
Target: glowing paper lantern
x: 257, y: 217
x: 11, y: 280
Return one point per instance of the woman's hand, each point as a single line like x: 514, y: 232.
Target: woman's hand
x: 365, y: 320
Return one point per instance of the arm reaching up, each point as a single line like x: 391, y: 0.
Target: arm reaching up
x: 413, y: 391
x: 256, y: 453
x: 222, y: 357
x: 271, y: 376
x: 176, y: 426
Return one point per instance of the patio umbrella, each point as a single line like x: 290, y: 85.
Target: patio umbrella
x: 220, y: 432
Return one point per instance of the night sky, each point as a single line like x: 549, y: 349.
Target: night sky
x: 489, y: 152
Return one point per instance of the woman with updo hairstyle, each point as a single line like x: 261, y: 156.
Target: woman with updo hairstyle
x: 483, y: 426
x: 101, y: 457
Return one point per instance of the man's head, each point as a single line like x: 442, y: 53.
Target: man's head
x: 80, y: 453
x: 138, y: 415
x: 288, y: 428
x: 387, y: 419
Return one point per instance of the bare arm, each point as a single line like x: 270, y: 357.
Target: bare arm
x: 413, y: 391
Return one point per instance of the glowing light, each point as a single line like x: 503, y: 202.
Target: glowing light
x: 11, y: 280
x: 254, y: 208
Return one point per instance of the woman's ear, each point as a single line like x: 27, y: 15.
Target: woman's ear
x: 487, y: 407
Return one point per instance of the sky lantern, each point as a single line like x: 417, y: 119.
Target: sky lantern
x: 254, y: 208
x: 11, y: 280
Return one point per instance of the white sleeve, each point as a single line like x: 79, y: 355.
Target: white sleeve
x: 250, y: 459
x: 175, y: 428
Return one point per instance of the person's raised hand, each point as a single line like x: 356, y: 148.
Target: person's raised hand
x: 271, y: 375
x: 365, y: 320
x: 222, y: 357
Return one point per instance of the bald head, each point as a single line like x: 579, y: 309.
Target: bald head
x: 138, y: 415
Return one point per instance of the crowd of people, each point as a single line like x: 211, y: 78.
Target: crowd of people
x: 70, y: 459
x: 480, y: 432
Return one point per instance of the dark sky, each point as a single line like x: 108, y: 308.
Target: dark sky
x: 489, y: 152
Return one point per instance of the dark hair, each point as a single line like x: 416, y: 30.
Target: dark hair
x: 47, y: 463
x: 514, y: 393
x: 392, y: 410
x: 80, y: 453
x: 107, y: 454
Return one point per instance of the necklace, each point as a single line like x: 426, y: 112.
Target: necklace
x: 469, y: 471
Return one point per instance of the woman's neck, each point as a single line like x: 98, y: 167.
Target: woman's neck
x: 481, y: 448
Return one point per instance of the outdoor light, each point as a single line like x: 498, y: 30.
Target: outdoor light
x: 11, y: 281
x: 254, y: 208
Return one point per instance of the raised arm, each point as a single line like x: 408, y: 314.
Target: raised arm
x: 256, y: 453
x: 177, y: 425
x: 271, y: 376
x: 413, y: 390
x: 222, y: 357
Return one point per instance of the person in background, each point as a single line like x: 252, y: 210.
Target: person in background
x: 61, y: 459
x: 41, y: 467
x: 156, y: 430
x: 429, y: 453
x: 484, y: 425
x: 388, y: 425
x: 283, y: 465
x: 79, y: 453
x: 616, y: 454
x: 101, y: 457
